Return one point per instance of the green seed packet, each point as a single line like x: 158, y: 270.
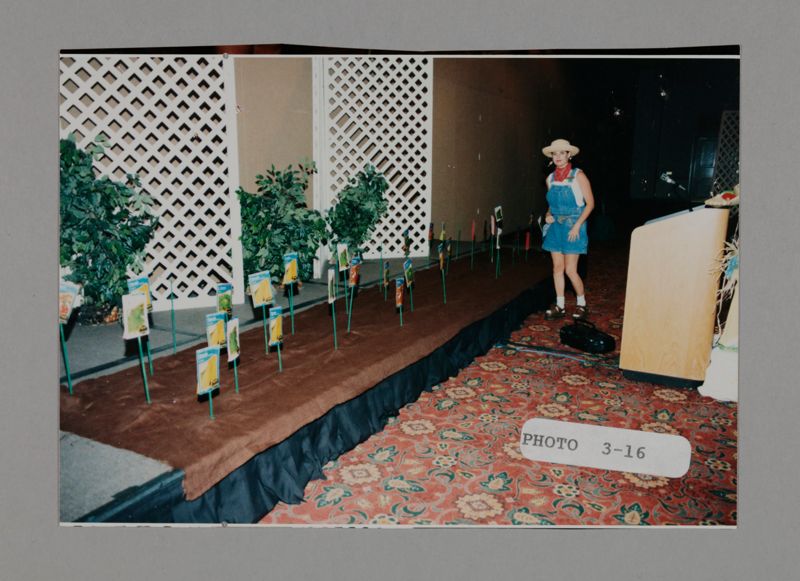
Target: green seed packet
x: 225, y: 298
x: 233, y: 340
x: 134, y: 316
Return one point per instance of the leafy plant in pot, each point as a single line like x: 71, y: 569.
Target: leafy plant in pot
x: 277, y: 220
x: 359, y: 207
x: 105, y: 227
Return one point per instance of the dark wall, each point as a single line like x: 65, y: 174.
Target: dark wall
x: 637, y: 118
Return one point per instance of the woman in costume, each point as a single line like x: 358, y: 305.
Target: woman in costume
x: 570, y: 201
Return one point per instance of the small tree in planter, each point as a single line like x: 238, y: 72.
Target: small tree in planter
x: 276, y: 220
x: 359, y: 207
x: 105, y: 226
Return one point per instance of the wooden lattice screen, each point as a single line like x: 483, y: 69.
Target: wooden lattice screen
x: 167, y: 119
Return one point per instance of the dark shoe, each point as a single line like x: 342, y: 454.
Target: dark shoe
x: 554, y: 312
x: 580, y: 313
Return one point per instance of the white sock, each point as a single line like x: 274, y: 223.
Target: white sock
x: 581, y: 300
x: 560, y: 302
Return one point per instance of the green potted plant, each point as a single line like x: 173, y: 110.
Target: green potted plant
x: 105, y: 227
x: 358, y: 208
x: 277, y: 220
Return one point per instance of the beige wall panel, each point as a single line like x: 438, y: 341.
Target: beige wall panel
x: 490, y: 122
x: 275, y: 115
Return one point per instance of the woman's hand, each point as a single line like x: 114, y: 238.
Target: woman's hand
x: 573, y: 234
x: 548, y: 219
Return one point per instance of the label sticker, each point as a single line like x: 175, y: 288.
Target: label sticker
x: 607, y: 448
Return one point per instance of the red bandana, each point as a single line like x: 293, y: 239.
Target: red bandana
x: 561, y: 174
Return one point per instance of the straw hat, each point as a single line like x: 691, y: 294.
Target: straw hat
x: 560, y: 145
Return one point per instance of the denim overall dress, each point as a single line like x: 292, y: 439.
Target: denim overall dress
x: 562, y: 197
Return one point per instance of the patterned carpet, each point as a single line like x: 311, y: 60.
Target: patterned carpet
x: 452, y: 457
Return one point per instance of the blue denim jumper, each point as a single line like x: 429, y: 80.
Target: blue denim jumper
x: 566, y: 211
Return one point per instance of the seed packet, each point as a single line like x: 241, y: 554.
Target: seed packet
x: 275, y: 326
x: 207, y: 369
x: 290, y: 268
x: 331, y: 285
x: 406, y: 241
x: 355, y: 269
x: 225, y: 298
x: 399, y: 285
x: 134, y: 316
x: 260, y: 288
x: 499, y: 234
x: 408, y: 272
x: 215, y: 329
x: 493, y: 225
x: 141, y: 284
x: 498, y: 216
x: 342, y: 256
x: 233, y: 340
x: 67, y: 296
x: 441, y: 256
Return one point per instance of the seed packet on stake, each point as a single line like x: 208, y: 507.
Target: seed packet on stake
x: 290, y: 268
x: 498, y: 216
x: 67, y: 295
x: 441, y: 256
x: 207, y: 369
x: 260, y: 288
x: 331, y: 285
x: 141, y: 284
x: 134, y: 316
x: 233, y: 340
x: 275, y: 326
x: 225, y: 298
x: 386, y: 274
x: 399, y: 285
x: 408, y: 272
x: 342, y: 256
x: 215, y: 329
x: 355, y: 268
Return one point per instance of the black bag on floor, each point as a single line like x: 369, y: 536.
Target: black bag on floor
x: 585, y: 336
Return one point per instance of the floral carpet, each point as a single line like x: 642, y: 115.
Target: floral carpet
x: 453, y: 457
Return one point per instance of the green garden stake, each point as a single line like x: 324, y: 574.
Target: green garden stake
x: 172, y: 317
x: 236, y: 376
x: 411, y: 297
x: 458, y: 243
x: 264, y: 318
x: 333, y: 312
x: 382, y: 275
x: 149, y: 356
x: 280, y: 360
x: 346, y: 285
x: 497, y: 265
x: 350, y: 310
x: 401, y: 315
x: 291, y: 304
x: 66, y: 357
x: 472, y: 256
x: 444, y: 288
x: 144, y: 372
x: 210, y: 406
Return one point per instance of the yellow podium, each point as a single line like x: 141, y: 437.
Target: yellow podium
x: 670, y: 297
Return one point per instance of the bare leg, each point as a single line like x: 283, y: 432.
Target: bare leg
x: 558, y: 273
x: 571, y: 268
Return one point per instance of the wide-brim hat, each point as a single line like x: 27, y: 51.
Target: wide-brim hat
x: 560, y: 145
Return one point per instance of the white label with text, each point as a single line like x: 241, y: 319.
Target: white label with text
x: 607, y: 448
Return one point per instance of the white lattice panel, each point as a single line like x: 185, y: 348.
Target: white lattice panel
x: 378, y: 110
x: 726, y: 165
x: 166, y: 119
